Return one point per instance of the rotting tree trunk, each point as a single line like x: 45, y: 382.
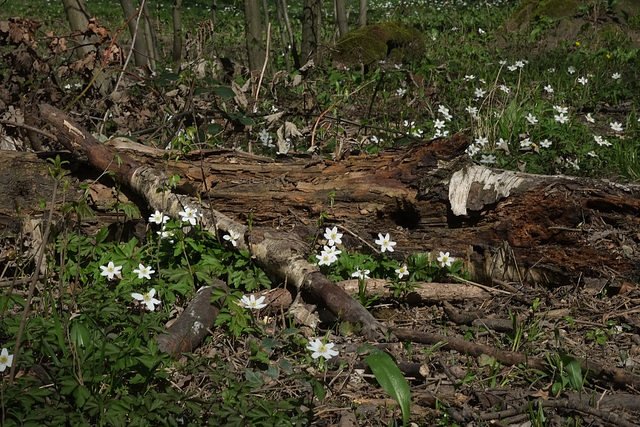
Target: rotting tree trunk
x: 507, y: 226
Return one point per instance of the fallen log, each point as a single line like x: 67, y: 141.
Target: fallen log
x: 508, y: 226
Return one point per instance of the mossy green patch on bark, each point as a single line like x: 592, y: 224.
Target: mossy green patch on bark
x: 386, y: 41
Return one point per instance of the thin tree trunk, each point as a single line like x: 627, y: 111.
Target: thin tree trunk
x: 177, y: 36
x: 78, y: 16
x: 286, y: 47
x: 341, y: 17
x: 253, y: 30
x: 150, y: 37
x: 292, y: 40
x: 362, y: 13
x: 140, y: 53
x: 214, y: 12
x: 310, y: 29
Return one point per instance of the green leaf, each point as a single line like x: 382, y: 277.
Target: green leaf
x: 575, y: 374
x: 318, y: 389
x: 245, y: 121
x: 80, y: 335
x: 224, y: 92
x: 391, y: 379
x: 81, y: 394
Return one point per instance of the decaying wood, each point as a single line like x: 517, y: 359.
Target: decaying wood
x: 280, y: 253
x: 423, y: 293
x: 507, y: 226
x: 194, y: 324
x: 615, y: 376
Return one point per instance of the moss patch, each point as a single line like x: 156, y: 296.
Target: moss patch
x: 386, y: 41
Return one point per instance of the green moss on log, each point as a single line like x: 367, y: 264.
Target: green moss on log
x: 386, y: 41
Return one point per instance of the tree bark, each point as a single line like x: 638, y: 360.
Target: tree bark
x: 177, y: 36
x: 311, y: 26
x: 362, y: 13
x: 78, y: 16
x: 341, y: 17
x: 279, y: 253
x: 140, y: 53
x: 150, y: 37
x: 253, y: 30
x: 506, y: 226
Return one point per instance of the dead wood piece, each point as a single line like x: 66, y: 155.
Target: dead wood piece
x: 195, y: 322
x: 573, y: 404
x: 79, y: 141
x: 476, y: 319
x: 424, y: 293
x: 614, y: 376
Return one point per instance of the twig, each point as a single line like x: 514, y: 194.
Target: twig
x: 373, y: 248
x: 27, y: 127
x: 469, y: 282
x: 264, y: 66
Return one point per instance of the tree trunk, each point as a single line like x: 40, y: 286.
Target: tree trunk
x: 78, y: 16
x: 507, y: 226
x: 177, y: 36
x: 311, y: 20
x: 150, y: 37
x: 214, y: 12
x: 362, y: 13
x: 253, y: 29
x: 286, y: 46
x: 279, y: 253
x: 341, y: 17
x: 291, y: 47
x: 140, y: 53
